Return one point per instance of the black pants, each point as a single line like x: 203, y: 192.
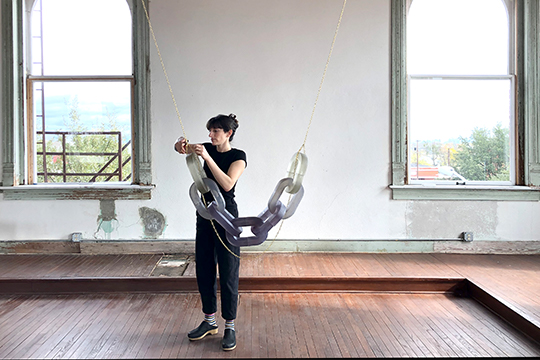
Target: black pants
x: 209, y: 253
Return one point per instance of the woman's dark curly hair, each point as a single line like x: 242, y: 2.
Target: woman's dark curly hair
x: 225, y: 122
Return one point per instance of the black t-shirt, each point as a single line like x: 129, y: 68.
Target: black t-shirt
x: 224, y: 161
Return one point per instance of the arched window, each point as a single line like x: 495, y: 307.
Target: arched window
x: 461, y: 92
x: 20, y: 98
x: 80, y: 113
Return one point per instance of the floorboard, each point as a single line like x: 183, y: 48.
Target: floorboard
x: 274, y: 324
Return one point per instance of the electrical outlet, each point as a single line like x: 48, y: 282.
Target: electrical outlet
x: 467, y: 236
x: 76, y: 237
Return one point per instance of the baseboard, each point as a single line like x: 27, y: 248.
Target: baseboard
x: 39, y: 247
x: 488, y: 247
x: 137, y: 247
x: 401, y: 246
x: 95, y: 247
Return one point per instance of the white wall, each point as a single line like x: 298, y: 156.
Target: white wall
x: 263, y: 60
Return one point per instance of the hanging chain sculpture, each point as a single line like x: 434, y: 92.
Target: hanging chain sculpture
x: 275, y: 210
x: 260, y: 225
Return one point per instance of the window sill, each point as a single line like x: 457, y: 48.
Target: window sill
x: 465, y: 192
x: 77, y: 192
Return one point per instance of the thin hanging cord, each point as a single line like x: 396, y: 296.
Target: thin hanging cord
x: 310, y: 119
x: 178, y: 112
x: 313, y: 111
x: 163, y: 67
x: 324, y: 76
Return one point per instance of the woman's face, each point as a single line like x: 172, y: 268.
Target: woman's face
x: 218, y: 136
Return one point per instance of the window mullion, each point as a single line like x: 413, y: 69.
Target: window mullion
x: 82, y: 78
x: 460, y: 77
x: 30, y: 133
x: 531, y: 90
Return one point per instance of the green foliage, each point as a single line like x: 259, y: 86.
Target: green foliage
x: 81, y: 142
x: 484, y: 156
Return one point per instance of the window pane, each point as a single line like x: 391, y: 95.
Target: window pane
x: 457, y: 37
x: 460, y: 125
x: 85, y: 130
x: 81, y: 37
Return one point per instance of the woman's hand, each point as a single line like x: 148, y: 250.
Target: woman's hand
x: 200, y: 150
x: 226, y: 180
x: 181, y: 145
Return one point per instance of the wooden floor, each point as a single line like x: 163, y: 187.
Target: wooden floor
x: 273, y: 324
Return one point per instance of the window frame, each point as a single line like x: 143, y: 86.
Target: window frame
x: 15, y: 28
x: 31, y: 132
x: 527, y: 114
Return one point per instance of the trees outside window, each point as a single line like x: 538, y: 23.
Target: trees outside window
x: 484, y: 155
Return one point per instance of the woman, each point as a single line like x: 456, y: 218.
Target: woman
x: 224, y: 165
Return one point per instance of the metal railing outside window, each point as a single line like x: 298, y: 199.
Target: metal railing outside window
x: 112, y: 162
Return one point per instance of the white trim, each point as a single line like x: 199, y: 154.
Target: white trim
x: 465, y: 192
x: 77, y: 192
x: 77, y: 186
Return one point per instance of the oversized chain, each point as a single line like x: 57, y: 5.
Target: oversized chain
x: 260, y: 225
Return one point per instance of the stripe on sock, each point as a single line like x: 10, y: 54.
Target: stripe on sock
x: 229, y: 324
x: 210, y: 318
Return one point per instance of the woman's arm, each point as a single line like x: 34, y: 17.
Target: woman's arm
x: 225, y: 180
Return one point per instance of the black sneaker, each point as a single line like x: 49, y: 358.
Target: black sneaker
x: 229, y: 340
x: 204, y: 329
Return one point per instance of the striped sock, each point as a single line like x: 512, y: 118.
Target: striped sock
x: 229, y: 324
x: 211, y: 319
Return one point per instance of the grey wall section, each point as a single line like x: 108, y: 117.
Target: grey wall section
x: 263, y: 60
x: 448, y: 219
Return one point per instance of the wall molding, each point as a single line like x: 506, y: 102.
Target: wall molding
x: 101, y: 247
x: 399, y: 91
